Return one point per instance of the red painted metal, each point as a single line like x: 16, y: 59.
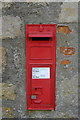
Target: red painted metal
x: 40, y: 56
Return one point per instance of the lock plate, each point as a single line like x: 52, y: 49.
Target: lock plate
x: 33, y: 96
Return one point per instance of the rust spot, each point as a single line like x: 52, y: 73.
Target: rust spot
x: 67, y: 50
x: 64, y: 29
x: 64, y: 62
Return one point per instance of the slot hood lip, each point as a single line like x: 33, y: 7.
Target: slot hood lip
x: 40, y: 35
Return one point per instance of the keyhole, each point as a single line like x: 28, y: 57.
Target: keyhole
x: 35, y: 88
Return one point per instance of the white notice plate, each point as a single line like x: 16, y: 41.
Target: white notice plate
x: 40, y: 72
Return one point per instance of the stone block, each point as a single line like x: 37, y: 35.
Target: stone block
x: 6, y: 4
x: 70, y: 90
x: 69, y: 12
x: 8, y: 91
x: 7, y: 112
x: 2, y: 59
x: 11, y: 26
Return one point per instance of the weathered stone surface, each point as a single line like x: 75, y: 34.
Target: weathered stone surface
x: 0, y: 113
x: 0, y: 90
x: 11, y: 26
x: 64, y: 29
x: 70, y: 90
x: 0, y: 101
x: 0, y: 5
x: 45, y: 13
x: 0, y: 20
x: 8, y: 1
x: 69, y: 12
x: 5, y: 4
x: 7, y: 112
x: 64, y: 62
x: 2, y: 59
x: 41, y: 0
x: 8, y: 91
x: 67, y: 50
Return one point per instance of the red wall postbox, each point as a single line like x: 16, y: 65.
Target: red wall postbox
x: 41, y: 66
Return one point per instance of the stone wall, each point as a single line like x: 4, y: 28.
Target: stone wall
x: 15, y: 15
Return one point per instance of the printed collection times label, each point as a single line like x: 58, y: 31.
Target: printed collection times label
x: 40, y: 72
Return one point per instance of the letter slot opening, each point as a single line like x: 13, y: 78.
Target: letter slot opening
x: 41, y: 38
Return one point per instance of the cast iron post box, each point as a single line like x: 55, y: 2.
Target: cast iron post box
x: 41, y: 66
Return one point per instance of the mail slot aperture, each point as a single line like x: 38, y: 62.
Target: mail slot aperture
x: 40, y: 38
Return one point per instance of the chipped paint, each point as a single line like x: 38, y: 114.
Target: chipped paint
x: 64, y: 62
x: 67, y: 50
x: 64, y: 29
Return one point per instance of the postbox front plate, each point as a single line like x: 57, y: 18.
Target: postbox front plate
x: 41, y: 66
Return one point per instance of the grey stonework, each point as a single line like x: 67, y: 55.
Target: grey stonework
x: 16, y: 15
